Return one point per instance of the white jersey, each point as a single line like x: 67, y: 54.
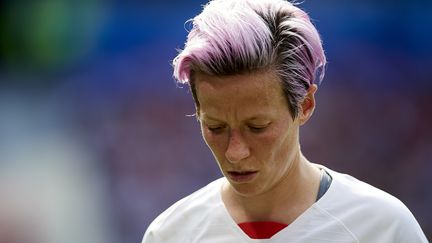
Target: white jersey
x: 350, y: 211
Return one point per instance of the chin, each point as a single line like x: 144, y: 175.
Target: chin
x: 245, y: 190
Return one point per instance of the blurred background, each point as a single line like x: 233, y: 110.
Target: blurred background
x: 95, y: 140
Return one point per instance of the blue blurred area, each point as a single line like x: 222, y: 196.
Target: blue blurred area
x: 95, y: 140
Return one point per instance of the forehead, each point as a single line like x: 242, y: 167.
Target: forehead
x: 250, y: 92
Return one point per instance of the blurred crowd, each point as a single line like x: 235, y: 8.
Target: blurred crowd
x: 96, y: 139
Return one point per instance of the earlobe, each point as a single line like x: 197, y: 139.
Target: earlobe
x: 308, y: 104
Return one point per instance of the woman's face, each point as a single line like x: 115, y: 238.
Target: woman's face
x: 246, y: 123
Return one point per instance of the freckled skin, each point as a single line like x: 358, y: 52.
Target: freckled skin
x: 247, y: 125
x: 232, y: 101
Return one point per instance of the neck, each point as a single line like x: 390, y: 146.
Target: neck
x: 293, y: 195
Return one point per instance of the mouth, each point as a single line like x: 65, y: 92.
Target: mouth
x: 241, y: 176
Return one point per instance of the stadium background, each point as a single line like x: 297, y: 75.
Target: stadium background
x: 95, y: 140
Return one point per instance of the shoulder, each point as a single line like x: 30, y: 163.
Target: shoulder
x: 367, y: 211
x: 184, y: 215
x: 360, y: 196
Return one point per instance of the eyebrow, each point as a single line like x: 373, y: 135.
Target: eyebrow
x: 205, y: 116
x: 258, y: 117
x: 252, y: 118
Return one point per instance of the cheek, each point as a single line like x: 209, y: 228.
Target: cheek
x: 214, y: 142
x: 275, y: 147
x: 265, y: 147
x: 285, y: 151
x: 207, y: 138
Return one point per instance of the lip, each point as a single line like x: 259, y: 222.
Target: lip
x: 242, y: 176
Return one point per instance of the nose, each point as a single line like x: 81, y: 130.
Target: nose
x: 237, y: 148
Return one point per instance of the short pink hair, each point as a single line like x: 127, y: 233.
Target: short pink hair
x: 235, y: 36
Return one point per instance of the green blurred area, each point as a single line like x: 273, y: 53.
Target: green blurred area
x: 45, y: 36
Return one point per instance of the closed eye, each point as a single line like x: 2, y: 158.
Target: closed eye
x: 257, y: 129
x: 216, y: 129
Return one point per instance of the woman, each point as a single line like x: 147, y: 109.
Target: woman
x: 252, y: 67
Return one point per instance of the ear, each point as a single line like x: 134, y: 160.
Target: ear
x: 308, y: 105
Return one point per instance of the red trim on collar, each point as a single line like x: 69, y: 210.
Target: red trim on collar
x: 262, y: 229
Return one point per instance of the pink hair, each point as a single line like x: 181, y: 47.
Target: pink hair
x: 235, y: 36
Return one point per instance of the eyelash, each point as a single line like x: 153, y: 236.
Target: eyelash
x: 215, y: 129
x: 254, y: 129
x: 257, y: 129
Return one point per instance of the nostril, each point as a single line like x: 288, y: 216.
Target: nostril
x: 237, y: 149
x: 237, y: 153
